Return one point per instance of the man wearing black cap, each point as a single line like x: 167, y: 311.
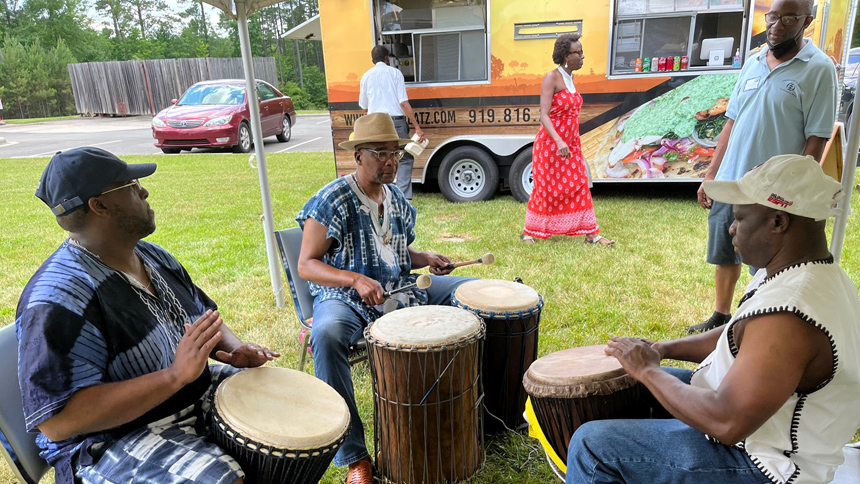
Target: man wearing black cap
x: 114, y: 338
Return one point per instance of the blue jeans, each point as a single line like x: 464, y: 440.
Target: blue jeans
x: 654, y: 451
x: 336, y: 326
x: 404, y: 169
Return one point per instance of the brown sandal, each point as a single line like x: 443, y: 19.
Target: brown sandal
x: 599, y: 239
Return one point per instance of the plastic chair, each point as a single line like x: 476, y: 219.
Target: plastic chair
x: 19, y: 446
x: 289, y: 245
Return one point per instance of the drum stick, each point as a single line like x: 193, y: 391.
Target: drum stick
x: 423, y: 282
x: 433, y: 387
x: 486, y: 259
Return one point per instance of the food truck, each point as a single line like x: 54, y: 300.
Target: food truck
x: 656, y: 79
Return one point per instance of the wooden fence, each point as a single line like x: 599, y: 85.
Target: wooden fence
x: 145, y: 87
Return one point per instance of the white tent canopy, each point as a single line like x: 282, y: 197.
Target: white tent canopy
x: 229, y: 6
x: 307, y: 30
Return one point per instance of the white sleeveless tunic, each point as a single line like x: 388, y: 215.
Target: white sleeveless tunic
x: 802, y: 442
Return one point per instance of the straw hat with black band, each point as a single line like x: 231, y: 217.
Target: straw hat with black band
x: 373, y: 128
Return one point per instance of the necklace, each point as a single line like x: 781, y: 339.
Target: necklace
x: 381, y: 217
x: 381, y: 207
x: 148, y: 288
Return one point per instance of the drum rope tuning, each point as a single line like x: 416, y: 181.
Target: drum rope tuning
x: 433, y: 387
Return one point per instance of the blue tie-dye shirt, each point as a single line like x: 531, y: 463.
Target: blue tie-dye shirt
x: 81, y: 323
x: 363, y: 245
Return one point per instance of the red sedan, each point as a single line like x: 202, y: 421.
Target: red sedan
x: 214, y: 114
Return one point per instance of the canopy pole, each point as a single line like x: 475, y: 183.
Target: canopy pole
x: 257, y: 133
x: 849, y: 167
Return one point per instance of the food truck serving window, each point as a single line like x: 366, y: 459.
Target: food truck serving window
x: 684, y: 36
x: 435, y: 41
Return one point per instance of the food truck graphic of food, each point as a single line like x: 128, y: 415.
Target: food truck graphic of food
x: 656, y: 79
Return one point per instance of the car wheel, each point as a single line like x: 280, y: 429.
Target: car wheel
x: 520, y: 177
x: 170, y: 151
x: 286, y: 130
x: 245, y: 143
x: 468, y: 174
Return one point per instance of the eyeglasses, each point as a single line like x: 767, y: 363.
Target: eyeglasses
x: 787, y: 20
x: 384, y: 155
x: 132, y: 183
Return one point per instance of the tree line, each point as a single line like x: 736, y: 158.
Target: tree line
x: 41, y: 37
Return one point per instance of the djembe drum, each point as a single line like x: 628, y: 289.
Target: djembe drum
x: 511, y: 312
x: 425, y: 363
x: 280, y: 425
x: 574, y: 386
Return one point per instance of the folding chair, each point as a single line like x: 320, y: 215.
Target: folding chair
x: 290, y: 244
x: 19, y: 446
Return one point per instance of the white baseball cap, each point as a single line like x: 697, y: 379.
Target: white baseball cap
x: 791, y: 183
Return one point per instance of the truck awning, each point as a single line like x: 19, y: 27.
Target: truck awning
x: 307, y: 30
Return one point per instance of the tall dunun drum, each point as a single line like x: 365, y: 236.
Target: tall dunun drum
x: 511, y: 312
x: 574, y: 386
x: 425, y: 363
x: 280, y: 425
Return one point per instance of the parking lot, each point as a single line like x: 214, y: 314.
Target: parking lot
x: 133, y: 136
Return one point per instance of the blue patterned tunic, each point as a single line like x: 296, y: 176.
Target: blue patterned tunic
x: 81, y: 323
x: 364, y: 245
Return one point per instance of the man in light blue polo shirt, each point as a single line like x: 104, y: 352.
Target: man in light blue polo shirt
x: 783, y: 103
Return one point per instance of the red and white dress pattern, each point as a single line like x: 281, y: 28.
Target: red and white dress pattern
x: 560, y: 203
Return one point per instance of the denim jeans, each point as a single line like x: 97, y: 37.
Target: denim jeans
x: 404, y: 169
x: 656, y: 451
x: 336, y: 326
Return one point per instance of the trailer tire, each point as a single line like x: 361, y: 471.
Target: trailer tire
x: 520, y: 177
x: 468, y: 174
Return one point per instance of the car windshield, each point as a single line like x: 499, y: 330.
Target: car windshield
x: 213, y: 94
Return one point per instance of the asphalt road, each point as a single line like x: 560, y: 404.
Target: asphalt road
x: 133, y: 136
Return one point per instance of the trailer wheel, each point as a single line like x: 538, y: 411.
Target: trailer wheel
x: 520, y: 178
x: 468, y: 174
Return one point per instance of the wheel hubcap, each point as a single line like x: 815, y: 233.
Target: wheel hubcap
x: 527, y: 179
x: 467, y: 178
x: 244, y: 138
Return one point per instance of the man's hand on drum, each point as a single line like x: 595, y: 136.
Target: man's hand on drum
x: 249, y: 355
x: 370, y: 290
x: 192, y: 352
x: 636, y: 355
x: 439, y: 264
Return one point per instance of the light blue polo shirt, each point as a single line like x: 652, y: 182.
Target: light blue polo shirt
x: 774, y: 112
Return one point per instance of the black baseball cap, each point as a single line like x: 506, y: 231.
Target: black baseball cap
x: 74, y: 176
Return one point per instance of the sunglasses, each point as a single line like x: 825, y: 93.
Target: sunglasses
x: 134, y: 182
x: 384, y: 155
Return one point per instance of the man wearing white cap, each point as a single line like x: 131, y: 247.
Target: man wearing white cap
x: 774, y: 396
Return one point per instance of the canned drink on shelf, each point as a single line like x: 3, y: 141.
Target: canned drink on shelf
x: 655, y: 64
x: 676, y: 65
x: 684, y: 63
x: 638, y: 66
x: 646, y: 64
x: 662, y: 63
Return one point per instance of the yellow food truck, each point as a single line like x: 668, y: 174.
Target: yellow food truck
x: 473, y: 71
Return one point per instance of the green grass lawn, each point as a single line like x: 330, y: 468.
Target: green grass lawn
x: 37, y: 120
x: 653, y: 282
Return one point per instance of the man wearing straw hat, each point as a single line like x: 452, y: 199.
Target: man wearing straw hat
x: 357, y: 244
x: 774, y: 397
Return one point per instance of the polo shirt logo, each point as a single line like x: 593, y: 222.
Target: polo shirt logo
x: 790, y: 87
x: 777, y: 200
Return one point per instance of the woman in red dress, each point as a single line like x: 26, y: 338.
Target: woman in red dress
x: 560, y: 202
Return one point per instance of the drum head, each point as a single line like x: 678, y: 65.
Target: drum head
x: 425, y: 326
x: 576, y: 373
x: 496, y: 295
x: 282, y: 408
